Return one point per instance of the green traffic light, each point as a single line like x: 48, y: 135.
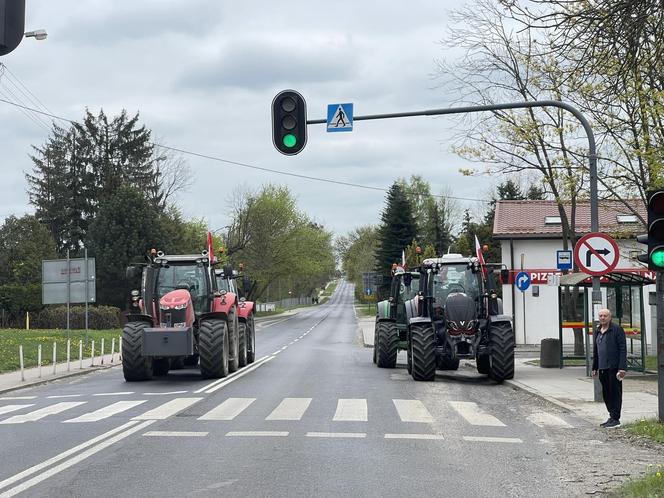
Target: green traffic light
x: 289, y: 140
x: 657, y: 257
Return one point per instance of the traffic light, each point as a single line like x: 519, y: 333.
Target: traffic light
x: 655, y: 236
x: 289, y: 122
x: 12, y: 24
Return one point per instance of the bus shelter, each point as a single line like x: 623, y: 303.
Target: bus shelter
x: 623, y: 292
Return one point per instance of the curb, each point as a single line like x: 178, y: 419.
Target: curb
x: 535, y: 392
x: 64, y: 375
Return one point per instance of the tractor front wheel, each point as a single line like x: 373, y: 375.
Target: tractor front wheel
x: 423, y: 344
x: 135, y: 366
x: 388, y: 341
x: 250, y: 330
x: 242, y: 341
x: 501, y: 336
x: 213, y: 348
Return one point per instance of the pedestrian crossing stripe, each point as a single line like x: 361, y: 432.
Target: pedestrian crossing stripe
x: 348, y: 410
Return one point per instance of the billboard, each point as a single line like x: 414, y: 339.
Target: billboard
x: 64, y: 281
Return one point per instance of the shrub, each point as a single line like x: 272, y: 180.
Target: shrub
x: 99, y: 317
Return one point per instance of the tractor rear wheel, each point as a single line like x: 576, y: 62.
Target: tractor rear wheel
x: 447, y: 363
x: 483, y: 364
x: 388, y: 341
x: 375, y: 343
x: 250, y: 330
x: 242, y: 341
x: 135, y: 366
x: 213, y: 348
x: 191, y: 361
x: 423, y: 344
x: 501, y: 336
x: 233, y: 342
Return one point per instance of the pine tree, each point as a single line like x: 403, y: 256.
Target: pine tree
x: 398, y: 229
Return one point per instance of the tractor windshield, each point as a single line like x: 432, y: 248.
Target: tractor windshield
x: 225, y: 284
x: 454, y: 278
x: 189, y: 276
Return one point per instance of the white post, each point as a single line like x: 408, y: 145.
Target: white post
x: 20, y: 359
x: 39, y: 359
x: 102, y: 350
x: 68, y: 354
x: 80, y: 353
x: 92, y: 347
x: 112, y: 349
x: 55, y: 355
x: 120, y: 348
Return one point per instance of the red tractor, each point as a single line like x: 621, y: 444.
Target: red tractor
x: 179, y: 317
x: 226, y: 278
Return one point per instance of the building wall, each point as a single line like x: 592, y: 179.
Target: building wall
x: 539, y: 258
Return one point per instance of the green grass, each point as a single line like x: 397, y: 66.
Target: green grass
x: 650, y: 428
x: 11, y: 339
x: 329, y: 290
x: 649, y: 486
x: 365, y: 309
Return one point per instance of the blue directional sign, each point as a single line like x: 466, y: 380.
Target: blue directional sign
x: 339, y: 117
x: 522, y: 281
x: 367, y: 291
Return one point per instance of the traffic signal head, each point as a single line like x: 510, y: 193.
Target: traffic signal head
x: 656, y: 230
x: 12, y: 24
x: 289, y: 122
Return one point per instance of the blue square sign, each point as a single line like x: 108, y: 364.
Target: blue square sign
x: 564, y: 260
x: 339, y: 117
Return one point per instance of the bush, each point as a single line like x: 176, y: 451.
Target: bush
x: 99, y: 317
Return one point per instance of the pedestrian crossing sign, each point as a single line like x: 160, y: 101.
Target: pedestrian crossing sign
x: 339, y: 117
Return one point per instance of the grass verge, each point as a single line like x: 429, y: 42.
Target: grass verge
x: 11, y: 339
x: 649, y: 486
x: 365, y: 309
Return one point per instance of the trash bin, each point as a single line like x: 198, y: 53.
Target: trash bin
x: 550, y: 353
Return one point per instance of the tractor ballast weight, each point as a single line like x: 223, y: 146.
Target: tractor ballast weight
x: 178, y: 317
x: 456, y: 315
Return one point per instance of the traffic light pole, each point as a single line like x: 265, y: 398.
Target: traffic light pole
x: 592, y: 159
x: 660, y: 343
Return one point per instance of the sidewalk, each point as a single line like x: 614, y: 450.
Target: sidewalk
x: 11, y: 381
x: 568, y: 387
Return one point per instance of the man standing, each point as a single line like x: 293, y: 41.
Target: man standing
x: 610, y: 360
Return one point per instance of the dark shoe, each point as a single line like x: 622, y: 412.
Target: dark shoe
x: 603, y: 424
x: 612, y: 424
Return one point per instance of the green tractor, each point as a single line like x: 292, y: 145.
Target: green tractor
x: 390, y: 333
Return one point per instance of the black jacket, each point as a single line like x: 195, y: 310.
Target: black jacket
x: 616, y: 347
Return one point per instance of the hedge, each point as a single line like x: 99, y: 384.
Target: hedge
x: 99, y: 318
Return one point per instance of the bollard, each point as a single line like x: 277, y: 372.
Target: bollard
x: 80, y: 353
x: 92, y: 350
x: 39, y: 359
x: 112, y: 349
x: 102, y: 351
x: 120, y: 348
x: 20, y: 359
x: 68, y: 354
x: 55, y: 356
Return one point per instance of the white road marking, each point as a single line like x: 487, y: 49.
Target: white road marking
x: 542, y: 419
x: 168, y: 409
x: 175, y: 434
x: 351, y: 410
x: 63, y: 455
x: 164, y: 394
x: 290, y: 409
x: 122, y: 393
x: 242, y: 373
x: 15, y: 398
x: 474, y: 415
x: 231, y: 376
x: 64, y: 396
x: 412, y: 410
x: 105, y: 412
x: 414, y: 436
x: 43, y: 412
x: 337, y: 434
x: 493, y: 439
x: 285, y: 347
x: 229, y: 409
x: 257, y: 433
x: 72, y: 461
x: 13, y: 408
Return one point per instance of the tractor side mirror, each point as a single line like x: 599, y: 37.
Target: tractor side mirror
x: 132, y: 272
x: 407, y: 279
x: 504, y: 276
x: 228, y: 271
x: 246, y: 284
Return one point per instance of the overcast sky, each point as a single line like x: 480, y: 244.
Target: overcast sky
x: 203, y: 73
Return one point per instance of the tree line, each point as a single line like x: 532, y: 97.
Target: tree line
x: 102, y: 185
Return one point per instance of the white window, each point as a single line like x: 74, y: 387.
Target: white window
x: 627, y: 218
x: 552, y: 220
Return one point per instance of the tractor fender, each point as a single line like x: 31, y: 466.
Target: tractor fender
x: 383, y: 310
x: 221, y: 315
x: 412, y: 308
x: 244, y: 310
x: 140, y: 317
x: 500, y: 318
x: 419, y: 319
x: 223, y: 304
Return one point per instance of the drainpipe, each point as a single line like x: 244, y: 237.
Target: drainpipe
x: 513, y: 293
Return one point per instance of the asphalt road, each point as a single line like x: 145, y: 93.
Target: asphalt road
x: 312, y: 417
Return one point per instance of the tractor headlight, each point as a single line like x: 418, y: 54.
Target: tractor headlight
x: 180, y: 306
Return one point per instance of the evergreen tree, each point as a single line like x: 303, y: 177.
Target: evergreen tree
x: 397, y: 230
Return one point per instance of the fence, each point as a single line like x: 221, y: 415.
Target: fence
x: 289, y: 302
